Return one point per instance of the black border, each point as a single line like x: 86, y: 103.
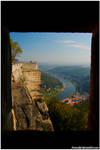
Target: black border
x: 48, y: 17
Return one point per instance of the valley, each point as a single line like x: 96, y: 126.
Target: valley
x: 75, y: 78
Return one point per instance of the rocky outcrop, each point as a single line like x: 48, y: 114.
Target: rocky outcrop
x: 29, y: 75
x: 29, y: 111
x: 16, y: 72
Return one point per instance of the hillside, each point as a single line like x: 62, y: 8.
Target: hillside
x: 50, y: 86
x: 78, y: 75
x: 65, y: 118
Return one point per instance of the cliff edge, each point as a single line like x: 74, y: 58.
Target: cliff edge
x: 29, y: 111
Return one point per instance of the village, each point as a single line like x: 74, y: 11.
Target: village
x: 76, y: 99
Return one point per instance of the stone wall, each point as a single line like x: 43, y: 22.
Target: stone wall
x: 6, y: 103
x: 29, y: 75
x: 29, y: 111
x: 93, y: 121
x: 16, y: 72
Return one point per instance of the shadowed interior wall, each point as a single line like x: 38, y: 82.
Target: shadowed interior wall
x: 7, y: 122
x: 93, y: 123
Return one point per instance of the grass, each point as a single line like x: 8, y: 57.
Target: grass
x: 22, y: 79
x: 53, y: 92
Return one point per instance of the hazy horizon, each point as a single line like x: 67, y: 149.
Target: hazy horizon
x: 62, y: 64
x: 54, y: 48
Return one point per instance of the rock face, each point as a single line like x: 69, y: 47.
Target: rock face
x: 29, y: 75
x: 16, y: 72
x: 29, y: 111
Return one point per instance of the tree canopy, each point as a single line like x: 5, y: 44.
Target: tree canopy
x: 15, y: 50
x: 65, y: 117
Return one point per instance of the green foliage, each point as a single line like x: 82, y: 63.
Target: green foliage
x: 15, y: 50
x: 44, y: 126
x: 51, y: 93
x: 50, y: 85
x: 65, y: 117
x: 22, y: 79
x: 71, y: 95
x: 78, y: 75
x: 50, y: 81
x: 40, y: 100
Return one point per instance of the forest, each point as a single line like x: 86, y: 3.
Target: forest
x: 78, y: 75
x: 63, y: 116
x: 67, y: 118
x: 50, y: 85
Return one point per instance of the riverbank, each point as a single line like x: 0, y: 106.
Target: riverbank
x: 64, y: 86
x: 62, y: 93
x: 53, y: 92
x: 68, y: 89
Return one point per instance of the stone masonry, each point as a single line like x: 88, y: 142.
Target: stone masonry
x: 29, y: 111
x: 30, y: 75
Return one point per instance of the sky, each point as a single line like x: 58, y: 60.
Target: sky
x: 55, y: 48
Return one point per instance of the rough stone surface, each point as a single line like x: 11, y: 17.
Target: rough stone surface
x: 16, y: 72
x: 42, y: 106
x: 28, y: 112
x: 28, y: 74
x: 28, y: 115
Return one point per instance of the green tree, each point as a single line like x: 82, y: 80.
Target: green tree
x: 15, y: 50
x: 65, y: 117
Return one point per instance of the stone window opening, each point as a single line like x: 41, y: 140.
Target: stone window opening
x: 93, y: 124
x: 92, y: 45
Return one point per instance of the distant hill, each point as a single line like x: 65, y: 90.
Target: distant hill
x: 78, y: 75
x: 70, y: 69
x: 45, y: 67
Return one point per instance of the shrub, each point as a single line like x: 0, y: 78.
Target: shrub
x: 65, y: 117
x: 44, y: 126
x: 40, y: 100
x: 22, y: 79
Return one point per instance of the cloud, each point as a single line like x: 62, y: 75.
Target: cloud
x: 74, y: 44
x: 65, y: 41
x: 81, y: 46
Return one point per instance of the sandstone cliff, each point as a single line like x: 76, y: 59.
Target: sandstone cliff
x: 29, y: 111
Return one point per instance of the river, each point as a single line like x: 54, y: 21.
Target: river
x: 69, y: 89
